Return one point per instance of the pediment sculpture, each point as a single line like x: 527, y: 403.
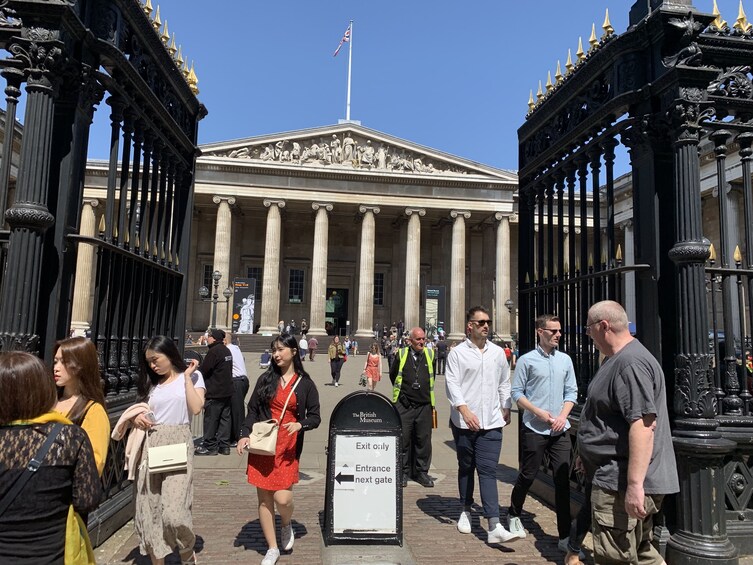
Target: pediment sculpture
x: 341, y: 151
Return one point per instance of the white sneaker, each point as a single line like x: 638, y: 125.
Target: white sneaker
x: 464, y: 522
x: 515, y: 526
x: 287, y: 537
x: 500, y: 535
x: 562, y: 546
x: 271, y: 557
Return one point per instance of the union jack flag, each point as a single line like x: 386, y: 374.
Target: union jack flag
x: 345, y: 39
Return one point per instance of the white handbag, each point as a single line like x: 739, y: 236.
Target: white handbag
x: 166, y: 458
x: 263, y: 437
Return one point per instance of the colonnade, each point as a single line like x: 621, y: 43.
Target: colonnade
x: 270, y: 298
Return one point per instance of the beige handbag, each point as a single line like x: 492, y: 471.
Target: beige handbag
x: 166, y: 458
x: 263, y: 437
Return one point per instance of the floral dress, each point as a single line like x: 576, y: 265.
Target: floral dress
x: 281, y: 471
x: 372, y: 367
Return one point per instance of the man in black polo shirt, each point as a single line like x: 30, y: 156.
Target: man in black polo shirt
x: 217, y: 370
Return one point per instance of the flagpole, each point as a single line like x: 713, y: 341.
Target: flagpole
x: 350, y: 60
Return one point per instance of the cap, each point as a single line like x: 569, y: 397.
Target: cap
x: 217, y: 334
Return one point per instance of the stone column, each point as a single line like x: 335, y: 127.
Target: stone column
x: 457, y: 275
x: 319, y: 269
x: 81, y: 314
x: 221, y: 260
x: 503, y: 323
x: 270, y: 290
x: 365, y: 327
x: 413, y: 267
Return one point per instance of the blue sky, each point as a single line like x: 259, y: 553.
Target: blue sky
x: 447, y: 74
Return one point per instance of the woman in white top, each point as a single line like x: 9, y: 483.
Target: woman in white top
x: 174, y: 392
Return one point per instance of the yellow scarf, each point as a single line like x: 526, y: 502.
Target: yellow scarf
x: 50, y: 416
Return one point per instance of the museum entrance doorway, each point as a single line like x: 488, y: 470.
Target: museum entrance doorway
x: 336, y: 311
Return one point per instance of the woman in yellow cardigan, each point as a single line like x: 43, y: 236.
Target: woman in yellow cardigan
x: 80, y: 398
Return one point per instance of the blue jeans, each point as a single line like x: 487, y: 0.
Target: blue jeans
x: 478, y: 451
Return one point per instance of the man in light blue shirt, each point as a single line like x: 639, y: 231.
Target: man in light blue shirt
x: 544, y: 386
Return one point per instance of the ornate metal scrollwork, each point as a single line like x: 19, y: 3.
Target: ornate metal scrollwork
x: 694, y: 396
x: 689, y: 52
x: 733, y: 83
x: 688, y: 113
x: 29, y: 215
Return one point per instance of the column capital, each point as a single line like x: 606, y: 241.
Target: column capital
x: 565, y: 230
x: 217, y: 199
x: 465, y: 213
x: 278, y: 203
x: 626, y: 225
x: 373, y: 209
x: 316, y: 205
x: 499, y: 216
x: 419, y: 211
x: 93, y: 202
x: 577, y: 231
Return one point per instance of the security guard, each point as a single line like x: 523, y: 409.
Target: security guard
x: 412, y: 376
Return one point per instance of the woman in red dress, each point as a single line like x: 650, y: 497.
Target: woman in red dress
x: 274, y: 477
x: 373, y: 366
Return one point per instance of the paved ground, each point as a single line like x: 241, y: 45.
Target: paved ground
x: 227, y: 525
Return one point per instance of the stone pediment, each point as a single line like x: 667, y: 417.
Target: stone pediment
x: 349, y: 147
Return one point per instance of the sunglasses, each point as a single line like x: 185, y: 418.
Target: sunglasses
x: 481, y: 323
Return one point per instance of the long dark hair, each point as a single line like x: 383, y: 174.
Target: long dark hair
x: 147, y: 377
x: 270, y: 379
x: 26, y: 389
x: 79, y: 356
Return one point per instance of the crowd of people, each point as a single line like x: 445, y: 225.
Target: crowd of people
x: 55, y: 433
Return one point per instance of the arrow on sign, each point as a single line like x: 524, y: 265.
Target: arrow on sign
x: 340, y: 478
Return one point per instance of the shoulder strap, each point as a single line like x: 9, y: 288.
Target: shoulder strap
x: 31, y: 468
x: 282, y: 414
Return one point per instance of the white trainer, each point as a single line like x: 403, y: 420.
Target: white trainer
x: 464, y: 522
x: 287, y: 537
x: 515, y: 526
x: 500, y: 535
x: 562, y: 546
x: 271, y: 557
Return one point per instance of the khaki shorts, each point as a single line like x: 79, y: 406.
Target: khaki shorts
x: 618, y: 538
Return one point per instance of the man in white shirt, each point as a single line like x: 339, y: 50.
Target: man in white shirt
x: 240, y: 389
x: 478, y: 388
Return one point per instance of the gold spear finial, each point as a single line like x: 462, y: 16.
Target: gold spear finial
x: 193, y: 81
x: 618, y: 255
x: 742, y: 21
x: 577, y: 264
x: 179, y: 57
x: 549, y: 85
x: 157, y: 21
x: 558, y: 73
x: 539, y: 93
x: 172, y: 48
x: 528, y: 278
x: 186, y: 70
x: 593, y: 41
x: 607, y: 26
x: 127, y: 238
x: 580, y: 53
x: 590, y: 260
x: 738, y: 256
x: 148, y: 9
x: 138, y: 241
x: 718, y: 23
x: 177, y: 260
x: 712, y: 253
x: 603, y: 257
x: 531, y: 103
x: 569, y: 64
x: 165, y: 36
x: 102, y: 224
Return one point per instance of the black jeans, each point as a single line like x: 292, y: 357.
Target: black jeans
x: 217, y: 423
x: 335, y: 366
x: 534, y: 446
x: 238, y: 406
x: 582, y: 523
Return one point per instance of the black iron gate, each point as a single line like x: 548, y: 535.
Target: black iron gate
x: 677, y: 85
x: 69, y: 55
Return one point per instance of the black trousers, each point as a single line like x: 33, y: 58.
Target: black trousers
x: 416, y: 422
x: 238, y: 406
x: 534, y: 446
x: 439, y: 363
x: 335, y: 365
x: 217, y: 423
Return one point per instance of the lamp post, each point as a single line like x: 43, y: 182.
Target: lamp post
x: 509, y: 304
x: 204, y: 295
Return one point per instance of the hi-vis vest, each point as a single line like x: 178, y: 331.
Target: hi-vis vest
x: 403, y: 353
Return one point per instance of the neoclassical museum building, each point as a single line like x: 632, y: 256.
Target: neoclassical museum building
x: 346, y: 227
